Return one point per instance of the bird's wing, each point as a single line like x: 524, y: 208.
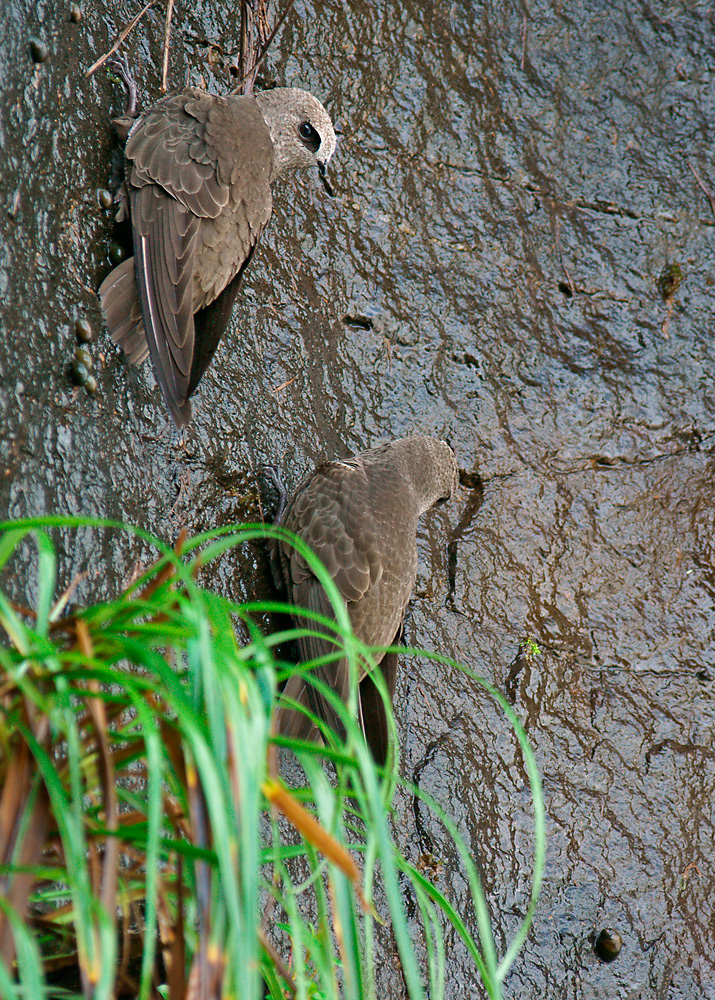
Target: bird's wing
x: 371, y: 707
x: 170, y: 147
x: 210, y: 323
x: 336, y: 674
x: 239, y: 138
x: 165, y: 238
x: 331, y: 514
x: 374, y: 715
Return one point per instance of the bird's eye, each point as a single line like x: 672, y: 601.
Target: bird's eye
x: 309, y: 136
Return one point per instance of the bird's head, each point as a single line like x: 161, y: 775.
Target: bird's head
x: 301, y: 130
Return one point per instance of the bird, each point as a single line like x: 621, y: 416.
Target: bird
x: 198, y: 173
x: 359, y: 516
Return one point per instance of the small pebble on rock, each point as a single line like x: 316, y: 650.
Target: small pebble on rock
x: 79, y: 373
x: 104, y: 198
x: 83, y: 331
x: 38, y: 50
x: 608, y: 945
x: 116, y: 253
x: 82, y: 355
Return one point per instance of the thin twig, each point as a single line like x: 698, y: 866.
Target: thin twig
x: 254, y: 70
x: 272, y: 35
x: 246, y: 32
x: 20, y: 609
x: 278, y: 961
x: 63, y: 600
x: 102, y: 59
x: 167, y: 35
x: 523, y: 43
x: 703, y: 188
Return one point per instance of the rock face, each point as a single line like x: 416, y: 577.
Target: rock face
x: 359, y: 516
x: 199, y: 169
x: 509, y: 200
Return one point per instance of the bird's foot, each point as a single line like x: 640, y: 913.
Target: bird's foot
x: 271, y: 474
x: 120, y: 68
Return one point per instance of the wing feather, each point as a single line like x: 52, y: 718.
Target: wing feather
x: 311, y: 596
x: 170, y: 149
x: 165, y: 235
x: 374, y: 714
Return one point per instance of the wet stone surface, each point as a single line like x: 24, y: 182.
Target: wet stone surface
x: 511, y: 186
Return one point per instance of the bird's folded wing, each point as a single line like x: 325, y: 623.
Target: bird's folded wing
x: 333, y: 517
x: 165, y: 239
x: 374, y: 713
x: 336, y: 674
x: 170, y: 148
x: 210, y: 323
x: 203, y: 156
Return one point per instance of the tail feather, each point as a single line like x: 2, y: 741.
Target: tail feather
x: 292, y: 722
x: 122, y: 311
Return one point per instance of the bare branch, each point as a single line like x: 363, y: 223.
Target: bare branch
x: 701, y: 184
x: 102, y: 59
x: 167, y: 35
x: 249, y: 75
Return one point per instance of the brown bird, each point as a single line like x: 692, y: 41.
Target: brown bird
x: 359, y: 516
x: 199, y: 169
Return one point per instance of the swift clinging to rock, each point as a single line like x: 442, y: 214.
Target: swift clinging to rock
x: 199, y: 169
x: 359, y: 516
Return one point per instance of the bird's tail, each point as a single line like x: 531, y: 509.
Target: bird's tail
x: 290, y: 721
x: 122, y: 311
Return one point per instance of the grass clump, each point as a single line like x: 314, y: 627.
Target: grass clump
x: 143, y: 826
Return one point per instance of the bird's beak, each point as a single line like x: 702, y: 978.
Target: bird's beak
x: 323, y: 172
